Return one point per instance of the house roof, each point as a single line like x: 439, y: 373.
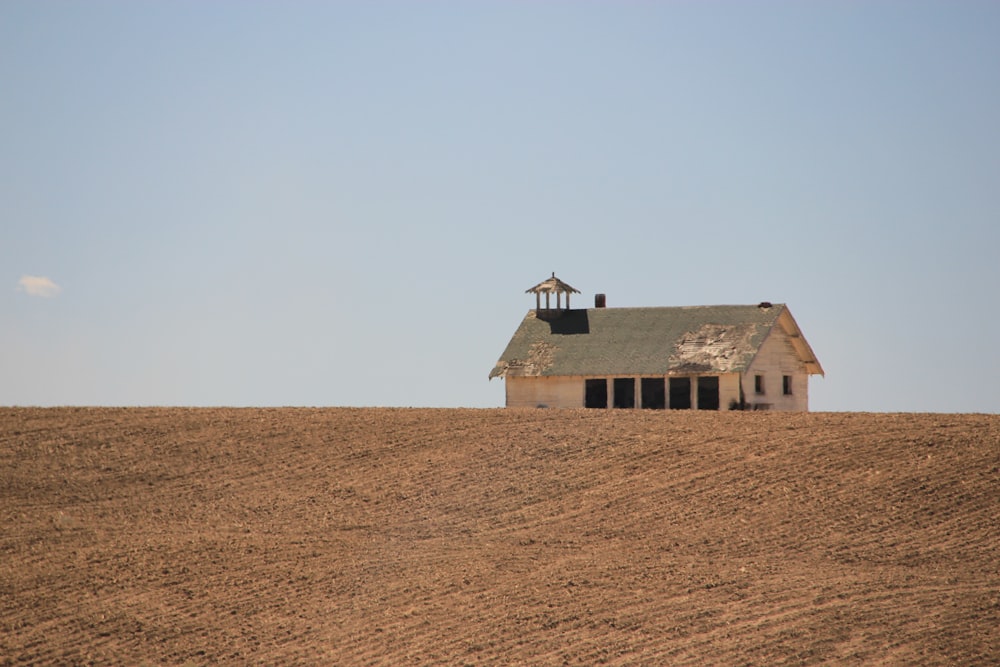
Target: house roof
x: 648, y: 341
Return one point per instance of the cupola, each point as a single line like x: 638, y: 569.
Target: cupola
x: 549, y: 287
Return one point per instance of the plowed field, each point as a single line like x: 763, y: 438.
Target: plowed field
x: 395, y: 536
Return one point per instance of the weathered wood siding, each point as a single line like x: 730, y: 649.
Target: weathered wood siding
x: 776, y: 359
x: 729, y: 390
x: 549, y: 392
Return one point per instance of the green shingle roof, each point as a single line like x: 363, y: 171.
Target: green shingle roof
x: 639, y: 341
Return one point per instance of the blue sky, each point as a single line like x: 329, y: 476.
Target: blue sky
x: 313, y: 203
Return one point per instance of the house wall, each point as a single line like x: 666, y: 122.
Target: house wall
x: 568, y: 391
x: 775, y: 359
x: 541, y: 391
x: 729, y: 390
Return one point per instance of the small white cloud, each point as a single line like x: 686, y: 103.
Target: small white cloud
x: 38, y: 286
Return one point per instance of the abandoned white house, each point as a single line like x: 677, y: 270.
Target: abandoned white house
x: 694, y: 357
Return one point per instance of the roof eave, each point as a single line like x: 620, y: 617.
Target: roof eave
x: 799, y: 343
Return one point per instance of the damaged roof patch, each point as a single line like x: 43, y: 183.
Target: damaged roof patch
x: 539, y: 359
x: 713, y: 348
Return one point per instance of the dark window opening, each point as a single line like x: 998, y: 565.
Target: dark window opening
x: 624, y: 393
x: 786, y: 385
x: 680, y: 393
x: 654, y: 393
x: 708, y: 393
x: 595, y: 394
x: 758, y: 384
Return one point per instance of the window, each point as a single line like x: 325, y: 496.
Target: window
x: 786, y: 385
x: 595, y: 393
x: 654, y: 395
x: 708, y: 393
x: 624, y: 392
x: 758, y: 384
x: 680, y: 393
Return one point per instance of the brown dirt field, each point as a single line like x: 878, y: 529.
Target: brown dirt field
x: 397, y: 536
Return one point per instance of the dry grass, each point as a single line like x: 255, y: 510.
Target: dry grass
x: 383, y: 536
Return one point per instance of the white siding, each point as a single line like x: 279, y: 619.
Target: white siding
x: 776, y: 359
